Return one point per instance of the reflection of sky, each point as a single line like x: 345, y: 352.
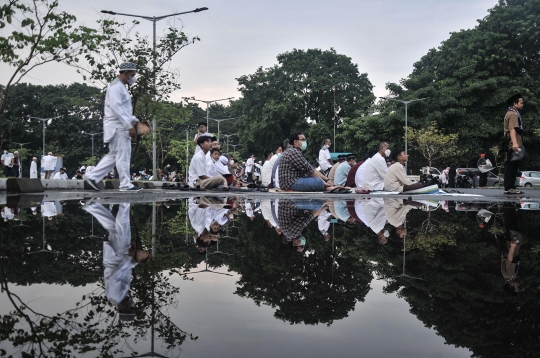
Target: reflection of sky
x: 230, y: 326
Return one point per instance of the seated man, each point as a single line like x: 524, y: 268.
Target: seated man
x: 396, y: 178
x: 376, y: 169
x: 266, y: 172
x: 343, y: 170
x: 355, y: 178
x: 198, y: 170
x: 332, y: 174
x: 295, y: 172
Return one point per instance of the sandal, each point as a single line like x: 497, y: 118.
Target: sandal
x: 362, y: 191
x: 513, y: 191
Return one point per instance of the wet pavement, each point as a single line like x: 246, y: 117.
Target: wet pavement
x: 173, y: 274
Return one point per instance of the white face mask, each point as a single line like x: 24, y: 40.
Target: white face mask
x: 132, y: 80
x: 387, y: 152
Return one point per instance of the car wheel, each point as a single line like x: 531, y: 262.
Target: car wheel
x: 528, y: 185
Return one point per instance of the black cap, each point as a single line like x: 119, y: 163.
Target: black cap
x: 510, y: 101
x: 351, y: 156
x: 341, y: 156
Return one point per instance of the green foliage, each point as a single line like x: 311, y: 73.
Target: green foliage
x: 298, y: 95
x: 432, y: 144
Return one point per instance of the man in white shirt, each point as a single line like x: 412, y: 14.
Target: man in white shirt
x: 49, y: 163
x: 202, y: 132
x: 198, y: 169
x: 118, y: 130
x: 61, y: 175
x: 396, y: 179
x: 376, y: 169
x: 7, y: 161
x: 325, y: 160
x: 249, y: 168
x: 33, y: 168
x: 266, y: 172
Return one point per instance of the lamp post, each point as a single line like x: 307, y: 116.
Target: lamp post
x: 406, y: 103
x: 207, y: 105
x: 93, y: 134
x: 219, y: 121
x: 228, y: 135
x: 154, y: 19
x: 234, y: 146
x: 43, y: 120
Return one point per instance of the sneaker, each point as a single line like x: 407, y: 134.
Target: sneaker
x: 92, y: 183
x: 132, y: 189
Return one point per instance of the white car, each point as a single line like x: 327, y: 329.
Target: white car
x: 529, y: 178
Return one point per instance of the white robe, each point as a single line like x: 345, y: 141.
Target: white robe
x: 33, y: 170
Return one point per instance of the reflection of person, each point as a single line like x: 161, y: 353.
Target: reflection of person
x: 375, y: 219
x: 293, y: 218
x: 323, y: 222
x: 203, y: 220
x: 120, y: 256
x: 33, y: 168
x: 118, y: 129
x: 510, y: 248
x: 48, y: 209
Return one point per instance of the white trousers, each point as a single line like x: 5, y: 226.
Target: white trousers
x: 119, y: 155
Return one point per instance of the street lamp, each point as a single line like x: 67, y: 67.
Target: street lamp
x: 43, y: 120
x: 219, y: 121
x: 406, y: 103
x: 154, y: 19
x: 234, y: 146
x: 228, y: 135
x: 207, y: 105
x: 93, y: 134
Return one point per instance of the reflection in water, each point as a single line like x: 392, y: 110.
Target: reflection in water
x: 312, y: 261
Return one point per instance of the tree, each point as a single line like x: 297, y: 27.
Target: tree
x: 298, y: 95
x: 432, y: 144
x: 41, y: 34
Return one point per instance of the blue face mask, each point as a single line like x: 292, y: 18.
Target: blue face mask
x: 302, y: 239
x: 304, y: 145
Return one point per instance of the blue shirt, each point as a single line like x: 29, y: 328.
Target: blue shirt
x: 341, y: 173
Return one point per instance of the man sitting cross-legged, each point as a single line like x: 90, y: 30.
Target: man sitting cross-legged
x: 396, y: 178
x: 198, y: 170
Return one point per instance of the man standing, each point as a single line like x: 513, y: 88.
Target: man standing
x: 513, y: 128
x: 33, y: 168
x: 325, y: 160
x: 250, y: 163
x: 118, y: 130
x: 49, y: 163
x: 202, y: 132
x: 7, y: 162
x: 483, y: 175
x: 376, y: 169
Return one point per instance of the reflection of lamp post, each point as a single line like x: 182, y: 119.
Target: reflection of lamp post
x: 43, y: 120
x: 154, y: 19
x: 228, y: 135
x: 403, y: 274
x: 207, y: 105
x: 206, y: 267
x: 93, y: 134
x: 406, y: 103
x: 43, y: 249
x: 219, y: 121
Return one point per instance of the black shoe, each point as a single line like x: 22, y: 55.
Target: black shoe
x: 132, y: 189
x: 92, y: 183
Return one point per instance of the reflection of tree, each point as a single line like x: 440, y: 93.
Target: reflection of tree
x: 93, y: 324
x: 431, y: 235
x: 318, y: 286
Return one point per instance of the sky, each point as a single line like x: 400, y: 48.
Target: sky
x: 384, y: 37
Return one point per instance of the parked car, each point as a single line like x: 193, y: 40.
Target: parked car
x: 494, y: 180
x: 529, y: 178
x: 530, y: 206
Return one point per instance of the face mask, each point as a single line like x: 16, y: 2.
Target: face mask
x: 279, y: 155
x: 302, y: 239
x: 132, y: 80
x: 387, y: 152
x: 304, y: 145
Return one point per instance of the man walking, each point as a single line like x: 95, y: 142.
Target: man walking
x: 513, y: 128
x: 118, y: 129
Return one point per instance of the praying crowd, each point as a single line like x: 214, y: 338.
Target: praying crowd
x: 286, y: 169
